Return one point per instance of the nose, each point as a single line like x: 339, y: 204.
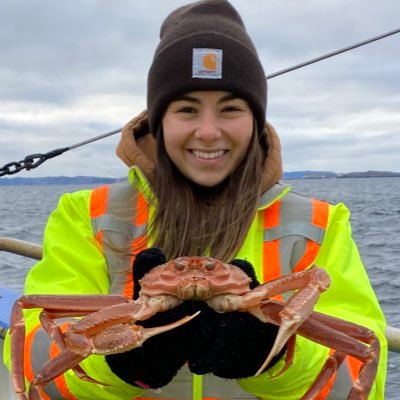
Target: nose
x: 208, y: 127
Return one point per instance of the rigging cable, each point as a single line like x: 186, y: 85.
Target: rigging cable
x: 34, y: 160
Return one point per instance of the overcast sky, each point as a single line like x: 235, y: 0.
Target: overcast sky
x: 72, y: 70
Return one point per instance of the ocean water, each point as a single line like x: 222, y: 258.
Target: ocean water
x: 374, y: 203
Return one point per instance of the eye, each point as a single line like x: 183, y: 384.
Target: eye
x: 231, y: 108
x: 186, y: 110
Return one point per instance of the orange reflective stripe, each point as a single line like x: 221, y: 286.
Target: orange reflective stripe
x: 309, y: 256
x: 28, y: 355
x: 272, y: 265
x: 271, y: 215
x: 320, y: 213
x: 98, y: 201
x: 138, y: 244
x: 354, y: 367
x: 43, y: 394
x: 99, y: 239
x: 60, y: 380
x: 271, y: 255
x: 128, y: 288
x: 271, y: 259
x: 98, y: 205
x: 323, y: 394
x: 142, y: 210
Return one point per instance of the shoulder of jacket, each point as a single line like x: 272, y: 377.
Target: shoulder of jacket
x: 295, y: 197
x: 77, y: 200
x: 120, y: 191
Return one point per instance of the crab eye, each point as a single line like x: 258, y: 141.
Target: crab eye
x: 179, y: 266
x: 210, y: 266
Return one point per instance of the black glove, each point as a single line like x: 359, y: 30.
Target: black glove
x: 159, y: 359
x: 241, y: 343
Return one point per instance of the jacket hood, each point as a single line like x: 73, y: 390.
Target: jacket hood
x: 137, y: 146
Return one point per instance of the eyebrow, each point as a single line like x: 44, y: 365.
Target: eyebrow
x: 186, y: 97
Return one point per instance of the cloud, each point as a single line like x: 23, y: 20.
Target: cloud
x: 74, y: 70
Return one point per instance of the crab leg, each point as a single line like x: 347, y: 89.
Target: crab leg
x: 346, y: 338
x: 17, y: 330
x: 109, y: 317
x: 79, y: 304
x: 367, y: 374
x: 322, y: 329
x: 56, y: 334
x: 330, y: 367
x: 369, y: 356
x: 68, y: 359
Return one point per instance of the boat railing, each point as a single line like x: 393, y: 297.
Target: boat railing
x: 32, y: 250
x: 21, y: 247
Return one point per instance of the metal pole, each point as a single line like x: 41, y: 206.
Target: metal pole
x: 332, y: 53
x: 21, y: 247
x: 393, y: 338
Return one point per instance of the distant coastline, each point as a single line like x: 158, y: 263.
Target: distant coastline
x: 330, y: 174
x: 370, y: 174
x: 57, y: 180
x: 95, y: 180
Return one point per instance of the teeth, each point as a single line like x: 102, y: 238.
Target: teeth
x: 209, y: 155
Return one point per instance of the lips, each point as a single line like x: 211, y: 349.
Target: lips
x: 209, y: 155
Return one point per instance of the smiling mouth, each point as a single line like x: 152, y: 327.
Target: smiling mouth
x: 208, y: 154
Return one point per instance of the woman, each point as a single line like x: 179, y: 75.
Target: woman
x: 204, y: 182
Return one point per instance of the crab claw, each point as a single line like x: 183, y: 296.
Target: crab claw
x: 311, y: 283
x: 120, y: 338
x: 287, y: 328
x: 149, y: 332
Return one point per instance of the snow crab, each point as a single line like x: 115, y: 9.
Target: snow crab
x: 108, y: 322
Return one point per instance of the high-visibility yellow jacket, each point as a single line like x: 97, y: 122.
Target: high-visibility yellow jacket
x: 74, y: 262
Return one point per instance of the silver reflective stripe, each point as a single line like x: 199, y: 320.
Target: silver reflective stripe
x: 117, y: 237
x: 40, y: 354
x: 307, y: 230
x: 181, y: 388
x: 271, y: 194
x: 295, y: 208
x: 119, y: 230
x: 343, y: 383
x: 114, y: 224
x: 122, y: 200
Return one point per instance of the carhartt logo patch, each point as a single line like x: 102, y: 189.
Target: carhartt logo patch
x: 207, y: 63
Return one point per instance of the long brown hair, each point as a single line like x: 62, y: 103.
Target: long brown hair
x: 193, y: 220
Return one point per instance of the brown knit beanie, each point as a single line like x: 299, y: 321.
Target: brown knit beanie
x: 205, y: 46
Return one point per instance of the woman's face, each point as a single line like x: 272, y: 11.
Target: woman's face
x: 206, y: 134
